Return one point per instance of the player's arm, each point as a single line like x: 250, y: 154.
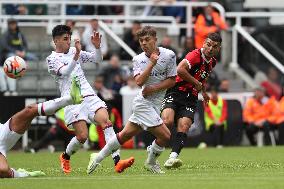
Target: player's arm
x: 95, y: 56
x: 66, y: 69
x: 167, y: 83
x: 143, y: 76
x: 205, y: 96
x: 59, y: 68
x: 163, y: 85
x: 183, y: 72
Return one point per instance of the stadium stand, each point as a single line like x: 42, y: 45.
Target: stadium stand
x: 241, y: 57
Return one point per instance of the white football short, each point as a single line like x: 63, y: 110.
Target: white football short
x: 8, y: 138
x: 84, y: 111
x: 145, y: 113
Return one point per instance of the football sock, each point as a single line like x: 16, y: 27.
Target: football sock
x: 73, y: 146
x: 154, y: 152
x: 66, y: 156
x: 112, y: 145
x: 51, y: 106
x: 109, y: 133
x: 178, y: 144
x: 14, y: 137
x: 16, y: 174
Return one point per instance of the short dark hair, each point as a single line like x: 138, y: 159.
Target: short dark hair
x: 60, y: 30
x: 215, y: 37
x: 147, y: 30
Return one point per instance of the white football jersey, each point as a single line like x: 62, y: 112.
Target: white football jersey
x: 165, y: 68
x: 55, y: 61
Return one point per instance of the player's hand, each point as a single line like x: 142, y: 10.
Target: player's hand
x: 147, y: 91
x: 96, y: 39
x: 154, y: 58
x: 206, y: 98
x: 198, y: 86
x: 78, y: 46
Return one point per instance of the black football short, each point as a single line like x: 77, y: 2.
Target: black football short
x: 183, y: 103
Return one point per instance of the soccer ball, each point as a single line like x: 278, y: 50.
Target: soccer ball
x: 15, y: 67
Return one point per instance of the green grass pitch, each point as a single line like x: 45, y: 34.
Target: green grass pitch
x: 227, y: 168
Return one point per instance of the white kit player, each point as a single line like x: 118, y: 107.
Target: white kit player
x: 65, y: 63
x: 154, y: 71
x: 15, y: 127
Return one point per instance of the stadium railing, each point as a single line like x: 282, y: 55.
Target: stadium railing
x: 239, y: 29
x: 128, y: 6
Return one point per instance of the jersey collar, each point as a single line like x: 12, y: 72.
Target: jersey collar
x: 203, y: 56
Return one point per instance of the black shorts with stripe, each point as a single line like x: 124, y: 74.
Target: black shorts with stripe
x: 183, y: 103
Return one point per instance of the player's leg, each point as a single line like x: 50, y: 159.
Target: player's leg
x: 162, y: 134
x: 7, y: 141
x: 184, y: 113
x: 168, y: 116
x: 20, y: 122
x: 183, y: 125
x: 102, y: 118
x: 5, y: 170
x: 81, y: 135
x: 130, y: 130
x: 168, y: 109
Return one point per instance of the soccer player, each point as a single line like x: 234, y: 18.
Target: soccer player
x: 64, y: 63
x: 154, y: 71
x: 180, y: 101
x: 15, y: 127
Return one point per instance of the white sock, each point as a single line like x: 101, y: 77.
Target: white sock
x: 111, y: 146
x: 154, y: 152
x: 109, y: 133
x: 16, y: 174
x: 173, y: 155
x: 12, y: 139
x: 51, y: 106
x: 73, y: 146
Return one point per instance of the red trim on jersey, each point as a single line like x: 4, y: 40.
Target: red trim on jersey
x: 42, y: 110
x: 57, y: 73
x: 10, y: 128
x: 11, y: 173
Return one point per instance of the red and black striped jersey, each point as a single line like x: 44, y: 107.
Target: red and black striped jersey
x: 199, y: 68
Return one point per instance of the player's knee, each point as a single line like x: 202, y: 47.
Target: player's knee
x: 82, y: 137
x: 104, y: 123
x: 184, y: 126
x: 166, y: 137
x: 4, y: 171
x: 169, y: 122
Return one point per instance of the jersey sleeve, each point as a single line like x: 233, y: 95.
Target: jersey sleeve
x: 59, y: 68
x: 136, y: 67
x: 54, y: 65
x: 172, y: 68
x: 91, y: 57
x: 192, y: 58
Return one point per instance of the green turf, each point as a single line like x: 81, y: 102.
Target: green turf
x: 227, y: 168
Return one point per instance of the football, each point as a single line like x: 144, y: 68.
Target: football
x: 15, y: 67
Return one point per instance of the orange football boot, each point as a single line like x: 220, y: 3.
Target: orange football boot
x: 65, y: 164
x: 124, y: 164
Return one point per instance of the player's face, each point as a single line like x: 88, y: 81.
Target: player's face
x: 211, y: 48
x: 63, y: 42
x: 148, y: 44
